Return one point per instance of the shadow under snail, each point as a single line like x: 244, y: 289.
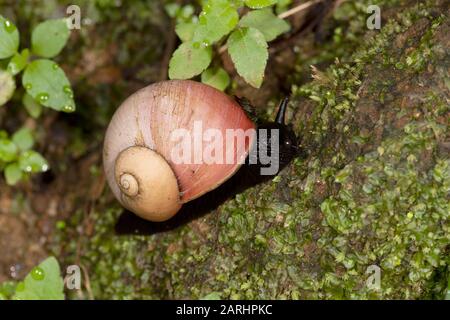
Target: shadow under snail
x: 138, y: 153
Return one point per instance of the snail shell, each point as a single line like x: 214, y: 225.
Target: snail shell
x: 138, y: 146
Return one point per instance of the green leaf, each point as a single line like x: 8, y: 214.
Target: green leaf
x: 185, y: 30
x: 7, y: 86
x: 44, y: 282
x: 18, y: 62
x: 13, y: 174
x: 212, y: 296
x: 172, y: 9
x: 189, y: 60
x: 32, y: 161
x: 265, y: 21
x: 23, y: 139
x: 258, y: 4
x: 34, y: 109
x: 49, y: 37
x: 248, y: 50
x: 218, y: 18
x: 216, y: 77
x: 8, y: 150
x: 47, y: 83
x: 9, y: 38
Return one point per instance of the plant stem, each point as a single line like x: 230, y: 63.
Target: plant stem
x: 298, y: 8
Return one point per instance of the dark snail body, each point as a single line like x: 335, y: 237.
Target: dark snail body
x: 247, y: 176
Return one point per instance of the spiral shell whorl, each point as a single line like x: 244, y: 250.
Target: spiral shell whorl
x: 128, y: 185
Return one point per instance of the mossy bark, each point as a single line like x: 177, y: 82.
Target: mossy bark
x: 371, y: 195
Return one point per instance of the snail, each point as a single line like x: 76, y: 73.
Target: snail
x: 142, y: 156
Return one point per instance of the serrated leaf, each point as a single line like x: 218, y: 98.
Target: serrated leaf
x: 185, y: 30
x: 32, y: 161
x: 33, y: 108
x: 218, y: 18
x: 265, y: 21
x: 18, y: 62
x: 216, y: 77
x: 189, y: 60
x: 13, y: 174
x: 7, y: 86
x: 23, y: 139
x: 8, y: 150
x: 49, y: 37
x: 9, y: 38
x: 44, y: 282
x: 258, y: 4
x: 47, y: 83
x: 248, y: 50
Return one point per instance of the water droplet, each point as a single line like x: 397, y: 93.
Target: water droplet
x: 28, y: 169
x: 38, y: 274
x: 196, y: 45
x: 44, y: 167
x: 68, y: 91
x: 42, y: 97
x: 55, y: 66
x: 9, y: 27
x: 68, y: 108
x: 205, y: 43
x: 28, y: 86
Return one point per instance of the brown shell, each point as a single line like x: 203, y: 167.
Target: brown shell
x: 148, y: 117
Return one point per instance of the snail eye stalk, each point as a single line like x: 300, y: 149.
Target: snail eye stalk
x: 281, y: 115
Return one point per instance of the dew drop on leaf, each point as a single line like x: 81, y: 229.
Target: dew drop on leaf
x: 205, y: 43
x: 68, y: 91
x: 196, y: 45
x: 28, y: 86
x: 68, y: 108
x: 9, y: 27
x: 42, y: 97
x: 38, y: 274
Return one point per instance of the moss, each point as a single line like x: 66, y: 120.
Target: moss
x: 373, y: 191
